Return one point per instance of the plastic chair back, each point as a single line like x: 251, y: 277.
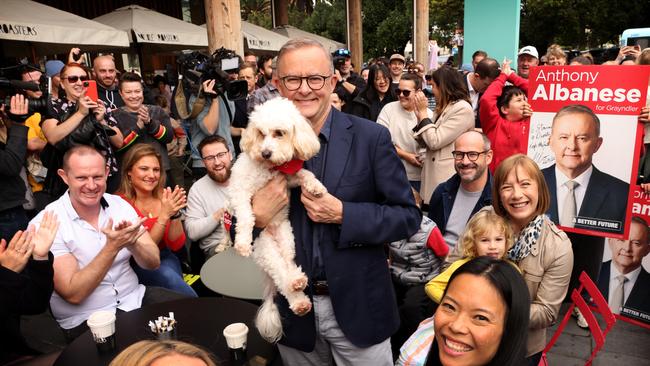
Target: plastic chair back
x: 601, y: 307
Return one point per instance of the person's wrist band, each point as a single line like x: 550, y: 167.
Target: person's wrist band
x: 176, y: 215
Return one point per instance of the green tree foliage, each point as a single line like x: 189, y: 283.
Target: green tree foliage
x: 387, y: 26
x: 579, y: 24
x: 444, y: 17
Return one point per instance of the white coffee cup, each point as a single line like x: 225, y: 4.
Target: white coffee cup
x: 236, y: 335
x: 102, y: 325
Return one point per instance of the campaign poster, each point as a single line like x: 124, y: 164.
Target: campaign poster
x: 630, y: 258
x: 585, y: 136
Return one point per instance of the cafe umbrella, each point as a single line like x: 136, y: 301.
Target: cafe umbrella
x: 26, y: 24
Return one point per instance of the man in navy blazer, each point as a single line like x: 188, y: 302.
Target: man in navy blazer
x: 627, y: 257
x: 340, y: 236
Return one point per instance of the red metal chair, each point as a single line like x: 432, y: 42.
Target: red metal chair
x: 601, y: 307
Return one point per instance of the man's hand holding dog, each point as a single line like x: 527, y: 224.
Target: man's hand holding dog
x: 325, y: 209
x: 269, y: 200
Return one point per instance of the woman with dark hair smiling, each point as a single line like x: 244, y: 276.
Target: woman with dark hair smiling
x: 453, y: 116
x: 376, y: 95
x: 482, y: 319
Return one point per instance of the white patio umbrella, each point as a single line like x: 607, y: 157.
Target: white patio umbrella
x: 261, y: 39
x: 26, y: 23
x: 293, y: 32
x: 161, y: 32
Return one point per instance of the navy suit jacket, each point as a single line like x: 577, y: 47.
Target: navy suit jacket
x: 639, y: 298
x: 605, y: 198
x: 362, y: 170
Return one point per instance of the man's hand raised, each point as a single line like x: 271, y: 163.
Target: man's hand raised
x: 124, y: 234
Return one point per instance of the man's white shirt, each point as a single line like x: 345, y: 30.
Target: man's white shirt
x: 120, y: 287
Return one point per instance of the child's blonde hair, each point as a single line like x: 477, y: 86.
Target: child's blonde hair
x: 478, y: 225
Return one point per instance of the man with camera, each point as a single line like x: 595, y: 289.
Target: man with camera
x: 349, y: 82
x: 215, y: 119
x: 36, y: 140
x: 13, y: 149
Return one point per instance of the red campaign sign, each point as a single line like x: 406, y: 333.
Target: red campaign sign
x: 605, y: 174
x: 590, y: 165
x: 605, y: 89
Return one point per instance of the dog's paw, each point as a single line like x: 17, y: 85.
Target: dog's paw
x: 315, y: 187
x: 243, y: 250
x: 301, y: 307
x: 298, y: 284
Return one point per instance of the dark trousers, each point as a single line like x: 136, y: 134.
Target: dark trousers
x: 587, y: 256
x: 12, y: 220
x: 152, y: 295
x: 414, y: 306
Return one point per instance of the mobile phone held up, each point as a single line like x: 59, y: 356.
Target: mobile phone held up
x: 91, y: 90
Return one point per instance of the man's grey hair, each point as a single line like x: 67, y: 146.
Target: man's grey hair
x: 579, y: 109
x: 298, y: 43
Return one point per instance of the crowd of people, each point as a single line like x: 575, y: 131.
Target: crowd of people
x: 103, y: 197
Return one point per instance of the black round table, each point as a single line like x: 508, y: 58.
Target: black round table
x: 200, y: 321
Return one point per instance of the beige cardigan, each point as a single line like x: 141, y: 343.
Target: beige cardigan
x: 439, y: 137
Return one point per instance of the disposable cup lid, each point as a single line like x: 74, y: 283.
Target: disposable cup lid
x: 101, y: 318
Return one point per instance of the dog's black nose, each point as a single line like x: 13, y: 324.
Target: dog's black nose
x: 266, y: 154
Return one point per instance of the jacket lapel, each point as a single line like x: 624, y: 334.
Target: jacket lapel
x: 549, y: 175
x: 594, y: 196
x: 338, y: 150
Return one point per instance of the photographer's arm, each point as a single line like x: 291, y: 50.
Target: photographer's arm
x: 211, y: 120
x: 12, y: 157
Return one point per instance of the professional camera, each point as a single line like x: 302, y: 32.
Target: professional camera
x: 339, y: 56
x: 197, y: 67
x: 10, y: 87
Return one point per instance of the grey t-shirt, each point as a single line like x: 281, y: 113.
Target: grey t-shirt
x: 463, y: 205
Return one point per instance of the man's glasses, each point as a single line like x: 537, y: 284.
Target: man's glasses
x: 404, y: 92
x: 315, y: 82
x: 211, y: 158
x: 74, y: 78
x: 471, y: 155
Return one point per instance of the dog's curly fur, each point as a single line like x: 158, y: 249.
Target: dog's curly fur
x: 276, y: 134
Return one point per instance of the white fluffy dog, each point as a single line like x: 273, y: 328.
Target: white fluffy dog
x: 277, y: 134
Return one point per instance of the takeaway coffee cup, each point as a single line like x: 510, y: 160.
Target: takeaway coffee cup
x: 236, y: 335
x: 102, y: 327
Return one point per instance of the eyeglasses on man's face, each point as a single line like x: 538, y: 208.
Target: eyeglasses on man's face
x: 315, y: 82
x: 471, y: 155
x: 211, y: 158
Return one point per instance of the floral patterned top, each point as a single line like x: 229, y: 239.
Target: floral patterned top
x: 61, y: 109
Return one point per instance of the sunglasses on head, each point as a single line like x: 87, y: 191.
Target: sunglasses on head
x: 73, y: 79
x: 405, y: 92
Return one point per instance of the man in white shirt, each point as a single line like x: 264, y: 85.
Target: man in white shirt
x: 207, y: 198
x: 623, y: 281
x: 399, y: 117
x: 98, y: 235
x: 477, y: 82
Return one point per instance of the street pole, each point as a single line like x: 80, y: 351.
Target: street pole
x: 223, y: 23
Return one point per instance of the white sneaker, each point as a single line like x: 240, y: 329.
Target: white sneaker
x: 580, y: 319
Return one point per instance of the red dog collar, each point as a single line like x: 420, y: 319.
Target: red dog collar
x: 291, y: 167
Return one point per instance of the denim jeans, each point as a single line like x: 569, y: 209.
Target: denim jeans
x: 168, y: 275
